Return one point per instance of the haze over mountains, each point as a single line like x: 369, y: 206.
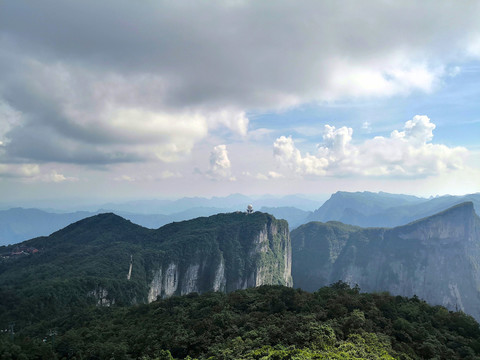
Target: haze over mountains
x: 358, y: 208
x: 382, y: 209
x: 19, y: 224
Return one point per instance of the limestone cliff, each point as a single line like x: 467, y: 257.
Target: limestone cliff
x: 436, y: 258
x: 224, y: 252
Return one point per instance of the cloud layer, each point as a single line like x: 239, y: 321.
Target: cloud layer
x: 406, y: 153
x: 102, y: 83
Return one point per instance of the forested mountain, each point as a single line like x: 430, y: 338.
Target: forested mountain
x: 107, y: 260
x: 265, y: 323
x: 384, y: 210
x: 436, y: 258
x: 84, y: 290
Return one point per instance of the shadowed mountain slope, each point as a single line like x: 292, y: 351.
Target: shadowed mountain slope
x: 436, y: 258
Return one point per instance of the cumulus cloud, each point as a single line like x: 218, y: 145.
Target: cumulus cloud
x: 262, y: 176
x: 56, y: 177
x: 289, y: 156
x: 220, y: 166
x: 406, y: 153
x: 151, y: 81
x: 32, y: 173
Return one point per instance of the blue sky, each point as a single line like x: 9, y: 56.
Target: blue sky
x: 119, y: 100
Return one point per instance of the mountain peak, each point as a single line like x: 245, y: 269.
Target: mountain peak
x: 463, y: 210
x: 451, y: 226
x: 99, y: 223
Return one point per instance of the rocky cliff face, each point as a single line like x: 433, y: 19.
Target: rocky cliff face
x: 250, y: 251
x: 436, y: 258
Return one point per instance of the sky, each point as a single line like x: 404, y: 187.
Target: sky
x: 119, y: 99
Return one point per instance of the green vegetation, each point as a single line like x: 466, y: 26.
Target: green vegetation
x: 88, y: 261
x: 268, y: 322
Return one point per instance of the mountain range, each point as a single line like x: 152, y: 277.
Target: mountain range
x: 19, y: 224
x: 359, y: 208
x: 369, y: 209
x: 436, y: 258
x: 68, y: 280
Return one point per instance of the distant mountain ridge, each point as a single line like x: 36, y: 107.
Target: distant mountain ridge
x: 369, y: 209
x: 294, y: 216
x: 436, y: 258
x: 20, y: 224
x: 233, y: 202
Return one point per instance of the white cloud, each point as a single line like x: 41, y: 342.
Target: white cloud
x: 129, y: 95
x: 274, y: 175
x: 220, y: 166
x: 406, y: 153
x: 83, y: 116
x: 366, y: 126
x: 103, y: 94
x: 55, y: 177
x: 167, y: 174
x: 268, y: 176
x: 124, y: 178
x: 32, y: 173
x: 289, y: 156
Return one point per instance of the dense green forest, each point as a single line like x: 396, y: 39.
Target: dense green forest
x: 88, y: 262
x: 268, y: 322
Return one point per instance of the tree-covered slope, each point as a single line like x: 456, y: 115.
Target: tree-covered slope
x: 88, y: 263
x: 436, y: 258
x: 268, y: 322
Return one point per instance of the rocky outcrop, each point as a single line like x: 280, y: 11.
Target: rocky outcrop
x: 220, y: 281
x: 156, y: 285
x: 245, y: 251
x: 100, y: 294
x: 436, y: 258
